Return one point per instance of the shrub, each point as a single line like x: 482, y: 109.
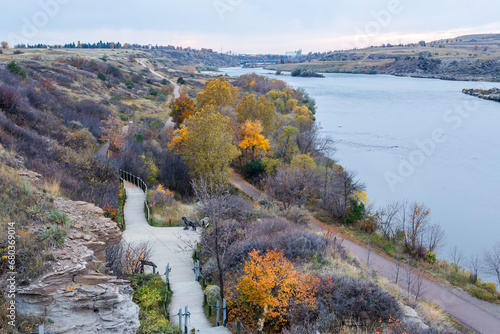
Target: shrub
x: 60, y: 217
x: 355, y: 212
x: 54, y: 235
x: 152, y: 91
x: 14, y: 68
x: 101, y: 76
x: 297, y: 215
x: 162, y: 98
x: 253, y: 169
x: 149, y: 296
x: 231, y: 207
x: 491, y: 287
x: 213, y: 294
x: 161, y: 196
x: 125, y: 259
x: 340, y: 299
x: 275, y: 233
x: 10, y: 99
x: 129, y: 83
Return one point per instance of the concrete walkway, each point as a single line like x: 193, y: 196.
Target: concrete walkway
x: 170, y: 245
x: 478, y: 315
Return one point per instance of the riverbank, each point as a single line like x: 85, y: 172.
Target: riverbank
x: 490, y: 94
x: 428, y: 68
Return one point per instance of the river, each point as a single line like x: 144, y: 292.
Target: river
x: 418, y: 140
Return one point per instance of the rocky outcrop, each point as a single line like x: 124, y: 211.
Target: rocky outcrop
x: 490, y: 94
x: 77, y: 294
x: 79, y: 307
x: 411, y: 317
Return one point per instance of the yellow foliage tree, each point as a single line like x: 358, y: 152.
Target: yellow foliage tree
x: 247, y: 109
x: 5, y: 45
x: 250, y: 109
x: 219, y: 93
x: 361, y: 196
x: 181, y: 108
x: 303, y: 111
x: 291, y: 104
x: 205, y: 144
x: 303, y: 161
x: 265, y: 290
x: 253, y: 140
x: 266, y: 114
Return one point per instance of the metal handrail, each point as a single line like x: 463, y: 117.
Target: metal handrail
x: 138, y: 182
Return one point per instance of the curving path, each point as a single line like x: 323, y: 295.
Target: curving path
x: 170, y: 245
x: 480, y: 316
x: 169, y: 123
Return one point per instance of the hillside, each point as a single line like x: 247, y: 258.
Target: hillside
x: 472, y: 58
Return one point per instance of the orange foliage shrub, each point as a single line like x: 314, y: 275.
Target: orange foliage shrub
x: 268, y: 286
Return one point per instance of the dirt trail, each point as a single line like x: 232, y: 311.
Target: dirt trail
x: 480, y: 316
x: 169, y: 123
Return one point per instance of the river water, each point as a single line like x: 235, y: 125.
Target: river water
x: 418, y: 140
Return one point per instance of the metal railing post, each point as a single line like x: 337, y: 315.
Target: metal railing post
x: 218, y: 313
x: 224, y: 313
x: 186, y: 314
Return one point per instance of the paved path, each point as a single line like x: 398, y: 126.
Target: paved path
x: 170, y: 245
x: 480, y: 316
x: 169, y: 123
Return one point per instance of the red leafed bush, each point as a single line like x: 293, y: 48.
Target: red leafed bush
x: 10, y: 99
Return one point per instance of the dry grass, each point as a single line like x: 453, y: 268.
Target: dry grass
x: 162, y: 215
x: 52, y: 186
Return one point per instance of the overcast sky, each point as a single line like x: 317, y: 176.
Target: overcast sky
x: 246, y: 26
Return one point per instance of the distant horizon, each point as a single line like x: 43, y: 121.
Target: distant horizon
x: 245, y: 53
x: 246, y: 27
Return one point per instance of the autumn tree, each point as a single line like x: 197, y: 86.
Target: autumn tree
x: 247, y: 109
x: 339, y: 193
x: 286, y: 143
x: 5, y: 45
x: 261, y: 109
x: 181, y: 108
x: 205, y: 144
x: 280, y: 98
x: 219, y: 93
x: 265, y: 291
x: 253, y: 142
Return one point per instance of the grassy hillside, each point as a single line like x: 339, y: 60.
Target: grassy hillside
x: 62, y: 107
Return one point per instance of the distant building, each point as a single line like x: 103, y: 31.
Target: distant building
x: 150, y: 46
x: 293, y: 54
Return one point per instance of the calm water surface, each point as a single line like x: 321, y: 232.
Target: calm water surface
x: 383, y: 127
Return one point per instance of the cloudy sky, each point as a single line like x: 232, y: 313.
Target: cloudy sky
x: 246, y: 26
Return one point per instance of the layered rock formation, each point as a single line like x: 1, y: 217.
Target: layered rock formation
x: 76, y: 296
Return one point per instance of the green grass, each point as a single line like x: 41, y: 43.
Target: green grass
x: 54, y: 235
x: 60, y: 217
x: 149, y: 294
